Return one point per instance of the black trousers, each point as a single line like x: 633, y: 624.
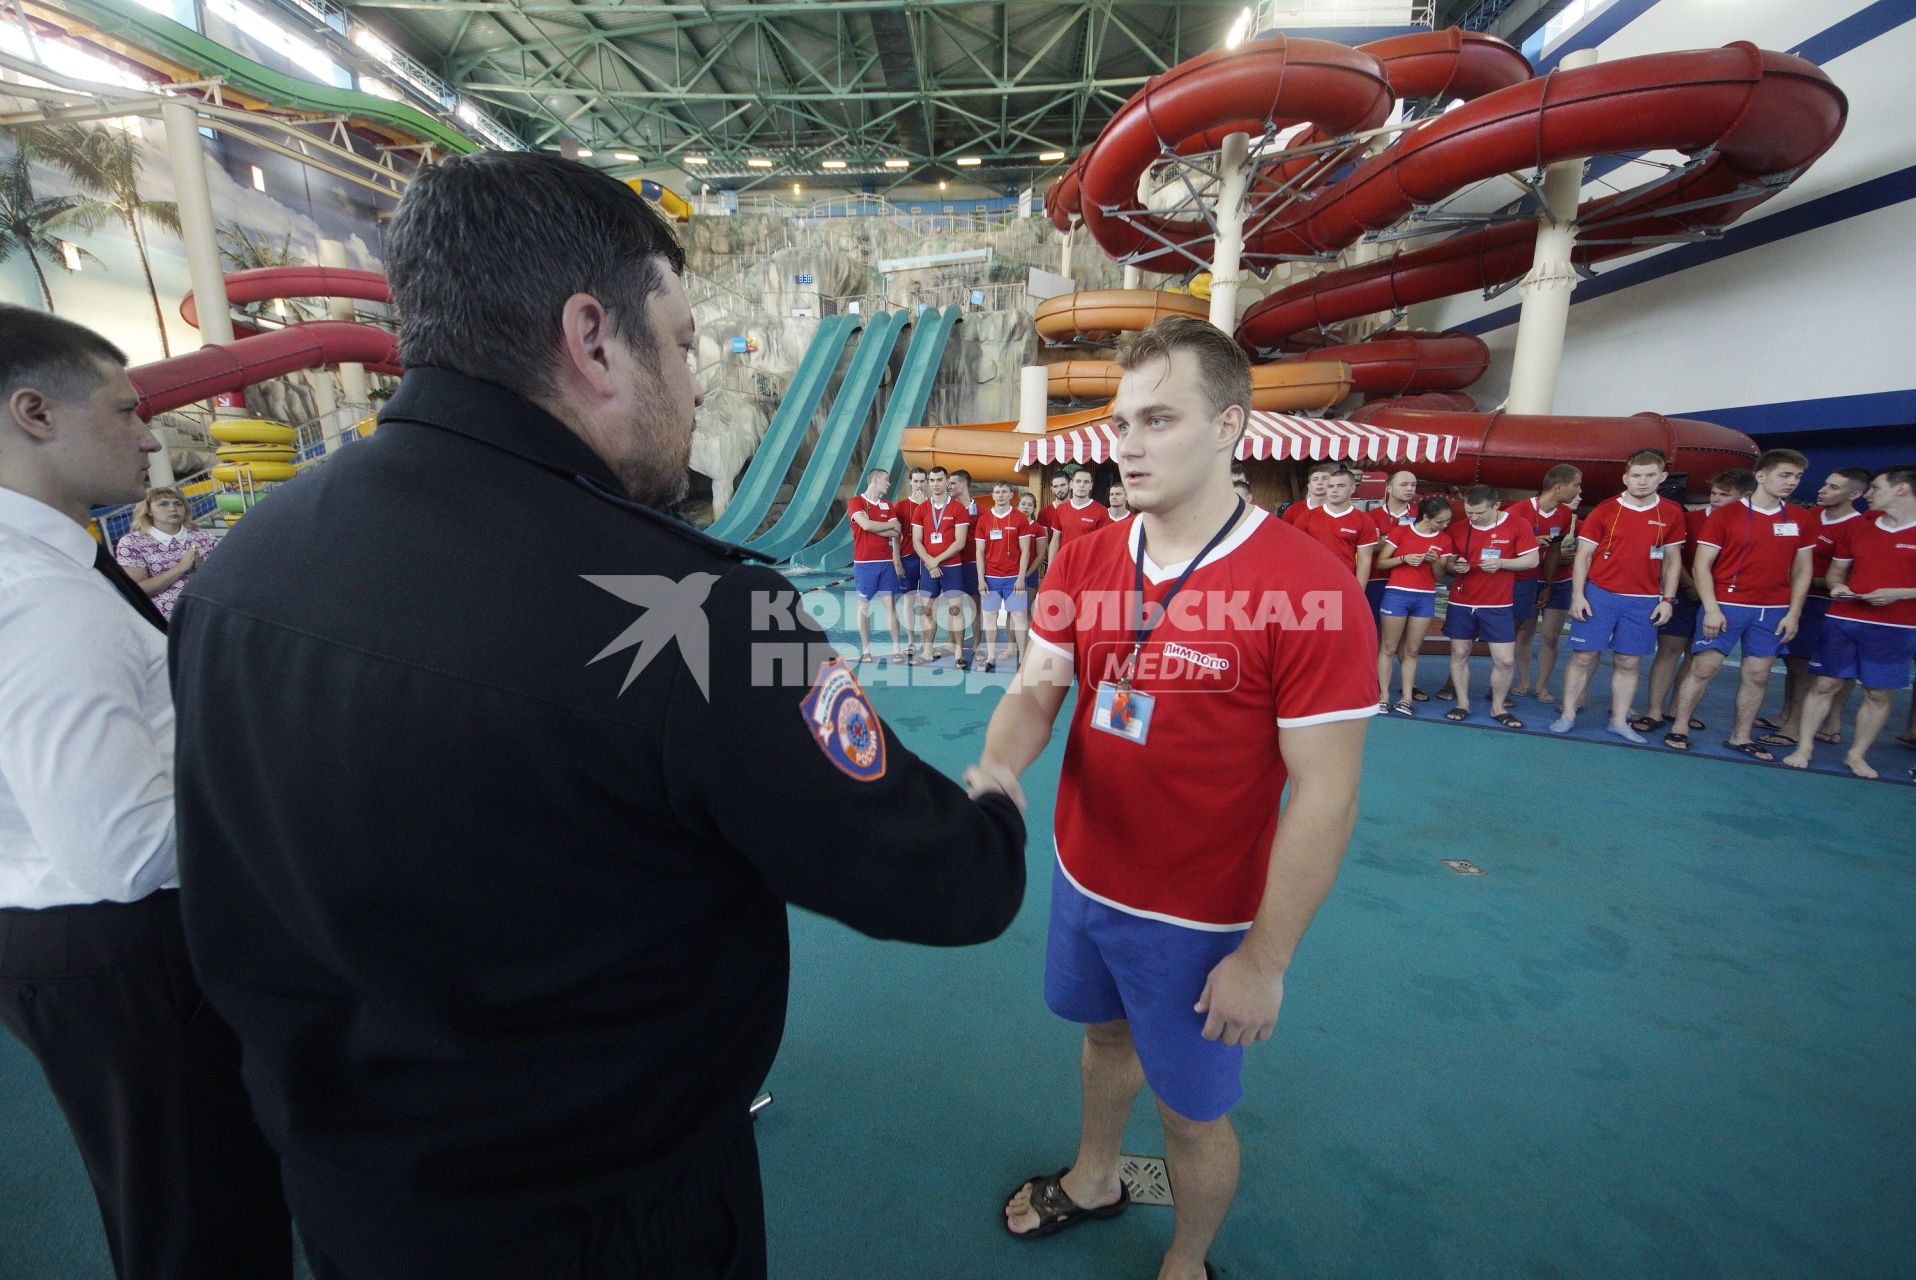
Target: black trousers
x: 148, y: 1076
x: 710, y: 1225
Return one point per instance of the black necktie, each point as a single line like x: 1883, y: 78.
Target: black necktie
x: 135, y: 595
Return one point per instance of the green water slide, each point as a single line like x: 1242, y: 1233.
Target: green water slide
x: 836, y: 439
x: 766, y: 471
x: 906, y: 408
x: 141, y: 26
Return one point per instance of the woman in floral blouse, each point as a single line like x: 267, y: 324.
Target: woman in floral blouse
x: 164, y: 547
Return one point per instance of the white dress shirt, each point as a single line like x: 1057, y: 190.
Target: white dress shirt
x: 86, y: 724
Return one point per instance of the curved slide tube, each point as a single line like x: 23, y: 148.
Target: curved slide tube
x: 1409, y: 362
x: 667, y: 199
x: 1098, y: 315
x: 1291, y: 386
x: 1512, y: 451
x: 773, y: 457
x: 265, y: 284
x: 929, y: 336
x: 832, y: 451
x: 220, y: 367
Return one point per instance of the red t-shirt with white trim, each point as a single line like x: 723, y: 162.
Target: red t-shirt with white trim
x: 1509, y: 538
x: 1341, y: 534
x: 1834, y: 541
x: 1298, y: 510
x: 941, y: 525
x: 1383, y: 521
x: 1002, y: 537
x: 1074, y: 522
x: 1630, y: 543
x: 1880, y: 557
x: 1408, y: 540
x: 869, y: 547
x: 907, y: 517
x: 1547, y: 530
x: 1755, y: 550
x: 1270, y: 632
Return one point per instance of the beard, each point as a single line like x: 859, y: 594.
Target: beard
x: 655, y: 474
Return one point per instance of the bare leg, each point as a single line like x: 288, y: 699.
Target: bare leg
x: 864, y: 627
x: 1460, y: 672
x: 1576, y: 680
x: 1112, y: 1076
x: 1623, y: 687
x: 1203, y: 1162
x: 1549, y: 633
x: 1390, y: 635
x: 1832, y: 726
x: 1525, y: 656
x: 1663, y: 675
x: 1870, y: 719
x: 1414, y: 631
x: 1751, y: 690
x: 1703, y: 668
x: 1503, y: 668
x: 1796, y: 686
x: 1816, y: 705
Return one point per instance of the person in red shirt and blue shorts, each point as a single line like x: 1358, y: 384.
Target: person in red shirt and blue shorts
x: 1218, y: 653
x: 1833, y: 522
x: 1410, y: 554
x: 875, y: 559
x: 1675, y: 637
x: 1623, y: 586
x: 1870, y: 633
x: 1752, y: 573
x: 910, y: 595
x: 1491, y: 548
x: 1541, y: 600
x: 1004, y: 538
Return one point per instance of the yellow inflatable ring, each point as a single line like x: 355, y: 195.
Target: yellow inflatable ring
x: 253, y: 431
x: 257, y: 472
x: 255, y: 453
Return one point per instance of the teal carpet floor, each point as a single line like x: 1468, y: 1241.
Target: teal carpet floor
x: 1670, y: 1032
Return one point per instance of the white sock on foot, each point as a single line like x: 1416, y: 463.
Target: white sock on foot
x: 1625, y: 732
x: 1562, y: 724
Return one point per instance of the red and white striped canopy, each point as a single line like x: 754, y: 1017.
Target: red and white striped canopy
x: 1272, y: 436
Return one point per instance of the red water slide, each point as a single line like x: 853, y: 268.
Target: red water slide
x: 259, y: 354
x: 220, y: 367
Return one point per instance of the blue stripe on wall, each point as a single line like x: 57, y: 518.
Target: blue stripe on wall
x: 1833, y: 413
x: 1850, y: 202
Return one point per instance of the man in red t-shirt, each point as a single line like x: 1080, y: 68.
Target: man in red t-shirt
x: 1623, y: 585
x: 1314, y: 483
x: 1675, y: 637
x: 1752, y: 573
x: 1349, y: 534
x: 1078, y: 515
x: 1545, y: 591
x: 1003, y: 538
x: 1492, y: 547
x: 941, y: 536
x: 1832, y: 522
x: 875, y: 535
x: 910, y: 569
x: 1179, y: 895
x: 1870, y: 633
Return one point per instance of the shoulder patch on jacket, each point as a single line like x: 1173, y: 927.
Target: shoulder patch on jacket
x: 843, y: 723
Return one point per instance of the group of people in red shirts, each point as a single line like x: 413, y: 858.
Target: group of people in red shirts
x: 1830, y: 589
x: 976, y: 565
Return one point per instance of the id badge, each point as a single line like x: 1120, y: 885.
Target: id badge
x: 1492, y: 553
x: 1122, y: 712
x: 997, y: 535
x: 937, y: 538
x: 1656, y: 553
x: 1785, y: 530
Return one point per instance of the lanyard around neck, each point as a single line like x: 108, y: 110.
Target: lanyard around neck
x: 1142, y: 632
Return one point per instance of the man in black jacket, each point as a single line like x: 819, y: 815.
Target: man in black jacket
x: 495, y: 782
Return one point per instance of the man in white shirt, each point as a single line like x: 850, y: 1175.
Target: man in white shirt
x: 93, y: 971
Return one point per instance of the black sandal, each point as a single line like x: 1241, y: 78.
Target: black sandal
x: 1057, y: 1211
x: 1456, y: 713
x: 1403, y: 709
x: 1648, y: 724
x: 1753, y: 751
x: 1677, y: 741
x: 1418, y: 695
x: 1507, y: 720
x: 1447, y: 693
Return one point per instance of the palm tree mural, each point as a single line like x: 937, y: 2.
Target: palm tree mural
x: 106, y: 161
x: 244, y: 250
x: 29, y: 223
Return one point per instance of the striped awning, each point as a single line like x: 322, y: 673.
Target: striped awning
x: 1267, y: 436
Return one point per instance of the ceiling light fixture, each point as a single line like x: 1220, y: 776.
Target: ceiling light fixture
x: 1048, y: 156
x: 758, y: 163
x: 898, y: 164
x: 969, y: 162
x: 1239, y: 29
x: 585, y: 153
x: 624, y: 155
x: 696, y: 160
x: 834, y: 164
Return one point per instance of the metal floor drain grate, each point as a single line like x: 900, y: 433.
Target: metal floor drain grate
x: 1464, y: 867
x: 1146, y: 1178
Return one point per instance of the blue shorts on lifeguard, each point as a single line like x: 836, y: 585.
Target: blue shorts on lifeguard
x: 1752, y: 626
x: 1683, y: 618
x: 1620, y: 624
x: 1003, y: 593
x: 968, y: 572
x: 1809, y: 628
x: 908, y: 580
x: 1559, y: 596
x: 1490, y: 623
x: 1877, y: 655
x: 1399, y: 603
x: 1523, y: 598
x: 1102, y: 964
x: 949, y: 582
x: 875, y: 578
x: 1374, y: 594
